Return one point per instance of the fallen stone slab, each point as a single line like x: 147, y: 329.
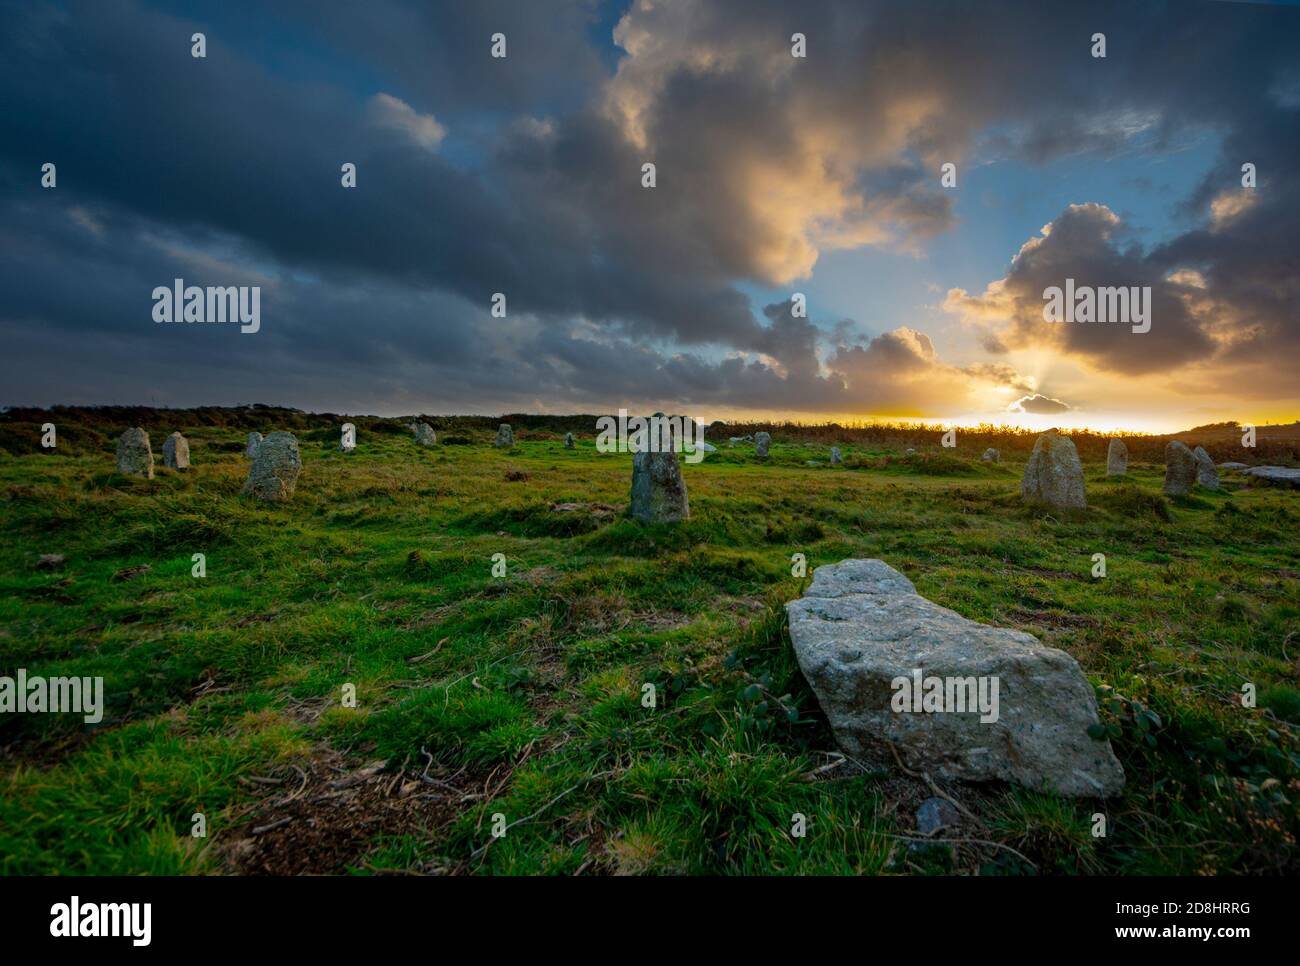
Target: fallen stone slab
x: 598, y: 509
x: 1277, y: 475
x: 1234, y: 466
x: 956, y: 698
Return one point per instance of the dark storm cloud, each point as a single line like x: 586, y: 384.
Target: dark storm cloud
x: 1086, y: 243
x: 523, y: 176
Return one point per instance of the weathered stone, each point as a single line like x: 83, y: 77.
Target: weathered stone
x: 658, y: 490
x: 836, y: 457
x: 134, y: 455
x: 733, y: 440
x: 1180, y: 469
x: 254, y: 442
x: 1206, y: 475
x: 761, y: 442
x: 176, y: 452
x: 347, y: 438
x: 935, y: 814
x: 1233, y: 466
x: 568, y: 441
x: 909, y: 452
x: 505, y: 437
x: 1054, y: 476
x: 707, y: 447
x: 1279, y: 475
x: 861, y: 632
x: 275, y: 469
x: 130, y: 573
x: 1117, y: 458
x: 991, y: 455
x: 424, y: 434
x: 49, y: 561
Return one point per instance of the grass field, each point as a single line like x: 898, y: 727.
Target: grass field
x: 521, y: 695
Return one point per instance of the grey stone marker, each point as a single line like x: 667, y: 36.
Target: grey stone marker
x: 347, y: 438
x: 1180, y: 469
x: 1116, y: 458
x: 1054, y: 476
x: 505, y: 437
x: 761, y: 442
x: 991, y: 455
x: 861, y: 630
x: 1206, y: 475
x: 176, y: 452
x: 134, y: 455
x: 658, y: 490
x: 424, y: 434
x: 836, y: 458
x: 1279, y: 475
x: 254, y: 442
x: 568, y: 441
x: 275, y: 469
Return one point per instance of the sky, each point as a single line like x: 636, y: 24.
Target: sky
x: 781, y: 183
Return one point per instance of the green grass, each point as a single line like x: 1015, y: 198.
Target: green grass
x: 521, y: 696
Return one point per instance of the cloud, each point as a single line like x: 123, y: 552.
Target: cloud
x: 522, y: 175
x: 387, y: 111
x: 1088, y: 243
x: 1042, y: 405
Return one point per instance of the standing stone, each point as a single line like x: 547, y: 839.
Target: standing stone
x: 275, y: 469
x: 424, y: 435
x: 505, y: 437
x: 134, y: 455
x: 1116, y: 458
x: 254, y: 443
x: 176, y: 452
x: 1054, y: 476
x: 1206, y: 475
x: 1180, y: 469
x: 991, y: 455
x: 836, y: 458
x: 348, y: 438
x: 761, y: 443
x: 658, y: 490
x: 568, y: 441
x: 863, y: 637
